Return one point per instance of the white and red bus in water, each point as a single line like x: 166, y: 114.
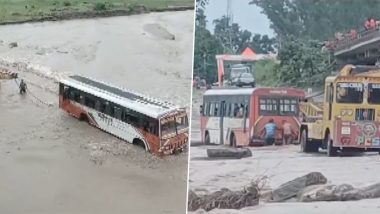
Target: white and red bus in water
x: 159, y: 127
x: 237, y: 117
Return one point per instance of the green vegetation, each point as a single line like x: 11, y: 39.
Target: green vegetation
x: 227, y: 38
x: 265, y: 73
x: 300, y: 26
x: 22, y: 10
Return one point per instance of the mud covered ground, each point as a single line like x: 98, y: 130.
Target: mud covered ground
x: 281, y: 164
x: 53, y: 163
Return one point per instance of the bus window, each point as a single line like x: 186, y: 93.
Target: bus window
x: 288, y: 106
x: 236, y: 109
x: 182, y: 122
x: 118, y: 112
x: 64, y: 91
x: 168, y: 127
x: 211, y: 109
x: 217, y: 109
x: 374, y: 93
x: 61, y: 90
x: 206, y: 110
x: 240, y: 110
x: 109, y: 110
x: 349, y: 93
x: 76, y: 96
x: 246, y: 110
x: 268, y: 106
x: 89, y: 101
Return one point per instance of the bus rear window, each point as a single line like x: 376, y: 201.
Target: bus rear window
x: 374, y: 93
x: 268, y: 106
x: 288, y: 107
x: 349, y: 92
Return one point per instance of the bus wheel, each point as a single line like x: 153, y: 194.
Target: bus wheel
x: 331, y: 150
x: 207, y: 138
x: 139, y: 143
x: 233, y: 140
x: 306, y: 145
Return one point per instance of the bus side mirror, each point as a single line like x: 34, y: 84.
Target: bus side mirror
x: 201, y: 109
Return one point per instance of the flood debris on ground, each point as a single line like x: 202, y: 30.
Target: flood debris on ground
x: 225, y: 199
x: 308, y: 188
x: 228, y: 153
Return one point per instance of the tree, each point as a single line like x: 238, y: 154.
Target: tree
x: 206, y: 46
x: 316, y: 19
x: 302, y: 63
x: 235, y: 40
x: 263, y: 44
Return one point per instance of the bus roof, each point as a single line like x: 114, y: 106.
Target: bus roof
x: 249, y: 91
x: 127, y: 98
x: 230, y: 91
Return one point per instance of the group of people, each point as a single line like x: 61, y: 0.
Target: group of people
x: 369, y: 24
x: 270, y: 129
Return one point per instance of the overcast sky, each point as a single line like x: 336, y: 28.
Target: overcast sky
x: 247, y: 16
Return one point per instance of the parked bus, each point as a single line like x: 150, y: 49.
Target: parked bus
x: 159, y: 127
x: 237, y: 117
x: 351, y: 113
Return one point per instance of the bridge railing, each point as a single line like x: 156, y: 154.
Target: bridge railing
x: 363, y: 35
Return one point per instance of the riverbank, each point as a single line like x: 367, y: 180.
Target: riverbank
x: 38, y: 11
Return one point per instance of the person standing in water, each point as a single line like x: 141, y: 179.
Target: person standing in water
x: 22, y: 87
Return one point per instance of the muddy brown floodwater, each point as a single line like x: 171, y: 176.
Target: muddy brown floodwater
x: 53, y: 163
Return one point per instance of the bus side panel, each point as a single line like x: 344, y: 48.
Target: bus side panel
x: 235, y: 126
x: 71, y: 107
x: 253, y: 115
x: 213, y: 128
x: 152, y: 140
x: 203, y: 121
x: 116, y: 127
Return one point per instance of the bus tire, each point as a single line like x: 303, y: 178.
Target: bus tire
x: 139, y: 143
x: 307, y: 146
x: 207, y: 138
x: 331, y: 150
x: 233, y: 140
x: 83, y: 117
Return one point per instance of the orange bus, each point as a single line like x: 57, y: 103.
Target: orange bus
x: 236, y: 117
x: 159, y: 127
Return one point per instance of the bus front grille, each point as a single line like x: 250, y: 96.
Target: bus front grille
x: 364, y: 114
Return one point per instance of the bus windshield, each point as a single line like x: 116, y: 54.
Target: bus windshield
x: 173, y: 124
x: 374, y: 93
x: 349, y: 92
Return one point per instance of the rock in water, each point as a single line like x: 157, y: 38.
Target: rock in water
x: 292, y: 188
x: 13, y: 45
x: 224, y: 199
x: 229, y: 152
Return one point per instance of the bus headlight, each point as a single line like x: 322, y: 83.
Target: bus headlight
x: 346, y: 112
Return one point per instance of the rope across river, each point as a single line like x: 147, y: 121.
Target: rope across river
x: 34, y: 96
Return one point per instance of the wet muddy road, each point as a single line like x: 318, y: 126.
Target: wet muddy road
x: 280, y: 164
x: 53, y: 163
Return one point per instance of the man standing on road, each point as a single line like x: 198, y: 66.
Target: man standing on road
x: 270, y: 132
x: 287, y: 132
